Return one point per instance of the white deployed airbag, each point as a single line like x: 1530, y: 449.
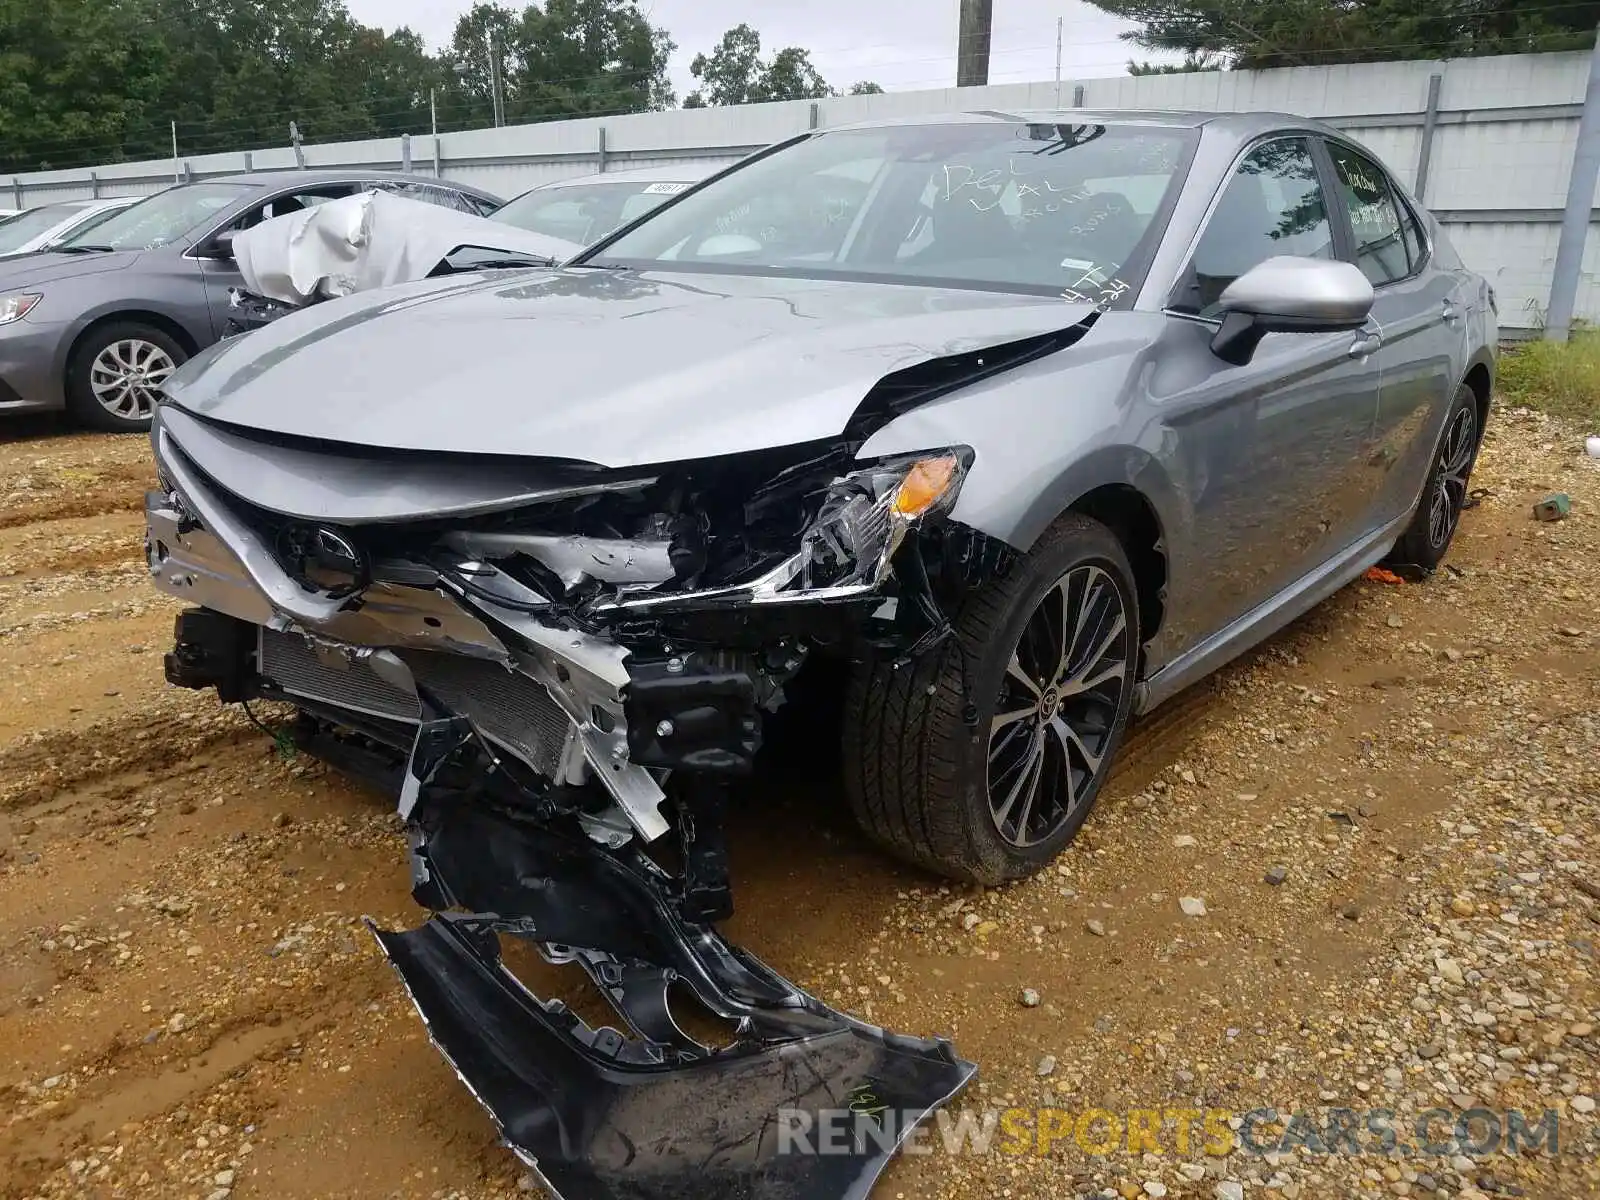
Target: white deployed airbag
x: 372, y: 240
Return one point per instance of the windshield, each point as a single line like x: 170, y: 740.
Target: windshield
x: 586, y: 212
x: 1014, y: 206
x: 163, y: 218
x: 89, y: 222
x: 24, y: 228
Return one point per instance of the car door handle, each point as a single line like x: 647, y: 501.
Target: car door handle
x: 1452, y: 312
x: 1365, y: 344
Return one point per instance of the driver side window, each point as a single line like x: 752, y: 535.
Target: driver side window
x: 282, y: 205
x: 1274, y: 205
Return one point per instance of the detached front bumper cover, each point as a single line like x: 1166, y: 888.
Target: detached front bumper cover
x: 806, y: 1104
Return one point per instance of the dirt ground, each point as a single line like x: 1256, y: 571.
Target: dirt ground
x: 189, y: 1006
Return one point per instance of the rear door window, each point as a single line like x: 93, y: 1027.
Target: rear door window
x: 438, y: 194
x: 1375, y: 217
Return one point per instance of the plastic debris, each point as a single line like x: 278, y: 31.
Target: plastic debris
x: 1381, y: 575
x: 1591, y: 447
x: 1553, y: 507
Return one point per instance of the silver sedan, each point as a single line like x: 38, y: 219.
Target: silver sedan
x: 977, y: 434
x: 1030, y: 419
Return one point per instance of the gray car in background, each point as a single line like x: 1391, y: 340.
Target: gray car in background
x: 98, y: 324
x: 41, y: 228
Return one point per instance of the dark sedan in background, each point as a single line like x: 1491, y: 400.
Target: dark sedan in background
x: 97, y: 326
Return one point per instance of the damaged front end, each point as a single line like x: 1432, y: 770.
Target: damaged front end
x: 564, y: 670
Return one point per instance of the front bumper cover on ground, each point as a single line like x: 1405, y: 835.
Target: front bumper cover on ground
x: 653, y: 1114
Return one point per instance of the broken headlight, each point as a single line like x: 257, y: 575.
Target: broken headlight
x: 866, y: 515
x: 846, y: 548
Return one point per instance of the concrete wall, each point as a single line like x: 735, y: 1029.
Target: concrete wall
x: 1498, y: 144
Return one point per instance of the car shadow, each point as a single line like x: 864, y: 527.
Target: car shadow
x: 32, y: 427
x: 805, y: 879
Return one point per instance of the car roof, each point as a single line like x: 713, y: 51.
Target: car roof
x: 684, y: 172
x: 82, y: 205
x: 279, y: 179
x: 1243, y: 125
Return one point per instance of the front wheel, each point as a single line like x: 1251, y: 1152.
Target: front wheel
x: 115, y: 375
x: 1046, y: 656
x: 1433, y: 526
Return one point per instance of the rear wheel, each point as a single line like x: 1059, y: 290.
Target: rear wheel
x: 115, y: 375
x: 1428, y: 537
x: 1046, y: 655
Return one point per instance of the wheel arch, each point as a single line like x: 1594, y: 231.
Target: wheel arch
x: 168, y: 325
x: 1480, y: 378
x: 1128, y: 490
x: 1133, y: 519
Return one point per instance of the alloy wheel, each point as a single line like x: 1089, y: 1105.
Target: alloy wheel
x: 1450, y: 483
x: 1058, y: 706
x: 127, y: 375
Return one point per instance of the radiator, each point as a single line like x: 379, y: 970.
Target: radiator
x: 511, y: 709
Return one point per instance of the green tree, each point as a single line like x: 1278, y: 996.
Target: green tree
x: 734, y: 73
x: 1285, y: 33
x: 865, y: 88
x: 76, y: 77
x: 283, y: 60
x: 731, y: 73
x: 392, y: 75
x: 86, y: 81
x: 482, y: 30
x: 1191, y: 62
x: 570, y: 58
x: 790, y: 76
x: 592, y: 57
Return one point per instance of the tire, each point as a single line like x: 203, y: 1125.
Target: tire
x: 917, y: 774
x: 1433, y: 526
x: 139, y: 356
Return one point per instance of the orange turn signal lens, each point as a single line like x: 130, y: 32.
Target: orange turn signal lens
x: 924, y: 485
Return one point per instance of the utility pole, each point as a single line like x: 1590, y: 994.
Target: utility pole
x: 1575, y: 218
x: 177, y: 169
x: 433, y: 113
x: 496, y: 97
x: 1060, y: 26
x: 295, y: 140
x: 972, y: 47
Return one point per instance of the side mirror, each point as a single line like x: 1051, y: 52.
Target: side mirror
x: 1289, y: 295
x: 220, y: 245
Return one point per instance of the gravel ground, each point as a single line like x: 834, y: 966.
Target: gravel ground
x: 1358, y: 870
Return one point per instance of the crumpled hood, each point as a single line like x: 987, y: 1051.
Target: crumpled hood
x: 29, y: 270
x: 611, y: 367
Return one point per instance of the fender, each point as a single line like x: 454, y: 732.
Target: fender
x: 1107, y: 466
x: 130, y: 306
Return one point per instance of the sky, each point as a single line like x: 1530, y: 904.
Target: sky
x: 901, y: 46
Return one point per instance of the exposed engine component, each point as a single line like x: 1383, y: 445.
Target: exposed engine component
x: 550, y: 687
